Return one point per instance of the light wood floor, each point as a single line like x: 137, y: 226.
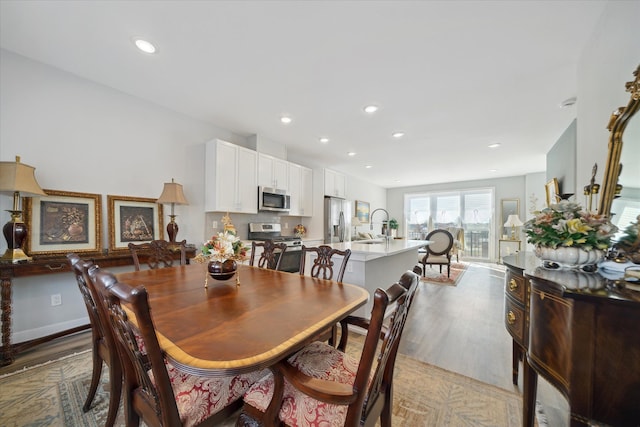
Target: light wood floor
x: 458, y: 328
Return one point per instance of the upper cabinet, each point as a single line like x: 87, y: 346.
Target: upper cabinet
x: 335, y: 184
x: 231, y: 181
x: 301, y: 190
x: 273, y: 172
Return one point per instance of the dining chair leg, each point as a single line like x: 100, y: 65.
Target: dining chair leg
x: 385, y: 415
x: 115, y: 393
x: 95, y: 377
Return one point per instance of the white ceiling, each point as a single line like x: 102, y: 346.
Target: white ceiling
x: 455, y: 76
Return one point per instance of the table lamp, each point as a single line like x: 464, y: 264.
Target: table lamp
x: 513, y: 221
x: 16, y: 178
x: 172, y: 193
x: 355, y: 222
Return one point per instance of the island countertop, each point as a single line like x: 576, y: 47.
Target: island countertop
x: 367, y: 250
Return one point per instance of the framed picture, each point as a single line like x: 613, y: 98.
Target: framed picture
x: 553, y: 192
x: 63, y: 222
x: 133, y: 220
x: 362, y: 211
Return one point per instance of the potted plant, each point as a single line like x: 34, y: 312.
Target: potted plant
x: 393, y: 225
x: 566, y: 236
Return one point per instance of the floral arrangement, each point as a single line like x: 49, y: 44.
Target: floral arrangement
x: 71, y: 216
x: 224, y: 245
x: 300, y: 230
x: 566, y: 225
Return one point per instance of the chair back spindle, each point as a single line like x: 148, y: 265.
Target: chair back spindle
x: 271, y: 255
x: 322, y: 266
x: 158, y: 253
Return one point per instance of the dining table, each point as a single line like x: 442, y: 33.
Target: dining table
x: 250, y: 321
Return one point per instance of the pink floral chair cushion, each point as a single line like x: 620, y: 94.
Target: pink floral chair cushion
x: 198, y: 398
x: 318, y: 360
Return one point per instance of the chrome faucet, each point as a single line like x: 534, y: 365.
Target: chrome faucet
x: 388, y: 237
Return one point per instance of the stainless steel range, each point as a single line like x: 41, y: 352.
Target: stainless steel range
x: 273, y: 231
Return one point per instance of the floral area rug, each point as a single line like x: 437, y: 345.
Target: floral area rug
x: 433, y: 275
x: 52, y: 394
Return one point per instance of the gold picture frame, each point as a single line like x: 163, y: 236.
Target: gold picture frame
x: 552, y: 191
x: 63, y: 222
x: 362, y: 211
x: 133, y: 220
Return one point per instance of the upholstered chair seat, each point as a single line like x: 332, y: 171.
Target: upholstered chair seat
x: 317, y: 360
x: 199, y: 398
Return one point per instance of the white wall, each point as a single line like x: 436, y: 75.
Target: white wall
x: 607, y: 62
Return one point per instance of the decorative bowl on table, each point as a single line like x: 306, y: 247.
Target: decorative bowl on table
x: 222, y: 270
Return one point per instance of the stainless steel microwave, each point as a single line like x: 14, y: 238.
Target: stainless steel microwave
x: 272, y: 199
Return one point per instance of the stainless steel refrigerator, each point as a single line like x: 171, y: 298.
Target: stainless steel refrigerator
x: 337, y: 220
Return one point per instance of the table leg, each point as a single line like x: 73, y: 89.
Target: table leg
x: 530, y: 388
x: 516, y: 356
x: 5, y: 306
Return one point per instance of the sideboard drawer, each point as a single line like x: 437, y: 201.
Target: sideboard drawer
x: 515, y: 286
x: 514, y: 319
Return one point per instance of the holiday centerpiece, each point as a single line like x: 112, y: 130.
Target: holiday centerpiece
x: 565, y: 236
x: 222, y: 251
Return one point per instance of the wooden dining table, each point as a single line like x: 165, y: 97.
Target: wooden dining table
x: 248, y: 322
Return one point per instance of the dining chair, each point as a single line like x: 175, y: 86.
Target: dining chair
x: 322, y: 385
x: 438, y: 251
x: 271, y: 255
x: 101, y: 350
x: 323, y: 268
x: 322, y: 264
x: 156, y: 392
x: 158, y: 253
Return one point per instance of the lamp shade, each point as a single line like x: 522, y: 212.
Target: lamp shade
x: 172, y: 193
x: 355, y: 221
x: 16, y: 176
x: 513, y: 221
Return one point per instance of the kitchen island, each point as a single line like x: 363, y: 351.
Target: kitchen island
x: 375, y: 264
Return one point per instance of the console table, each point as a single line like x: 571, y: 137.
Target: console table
x: 583, y: 334
x: 41, y: 266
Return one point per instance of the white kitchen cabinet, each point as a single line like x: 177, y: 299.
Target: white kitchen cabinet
x: 335, y: 184
x: 273, y: 172
x: 301, y: 190
x: 231, y: 182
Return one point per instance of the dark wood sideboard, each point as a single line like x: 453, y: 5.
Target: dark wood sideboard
x: 44, y: 265
x: 584, y: 338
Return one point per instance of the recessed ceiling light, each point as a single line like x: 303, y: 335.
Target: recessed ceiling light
x: 368, y: 166
x: 285, y: 119
x: 494, y: 145
x: 568, y: 102
x: 370, y: 109
x: 397, y: 134
x: 324, y: 140
x: 351, y: 153
x: 145, y: 46
x: 493, y: 170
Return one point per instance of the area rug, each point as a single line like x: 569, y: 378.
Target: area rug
x: 52, y: 394
x: 433, y: 275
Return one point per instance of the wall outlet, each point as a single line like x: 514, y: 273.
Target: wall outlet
x: 286, y: 225
x: 56, y: 299
x: 215, y: 225
x: 349, y: 268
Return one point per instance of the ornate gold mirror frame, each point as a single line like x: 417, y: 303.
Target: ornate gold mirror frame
x: 617, y: 124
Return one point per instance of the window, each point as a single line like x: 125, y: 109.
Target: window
x: 472, y: 210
